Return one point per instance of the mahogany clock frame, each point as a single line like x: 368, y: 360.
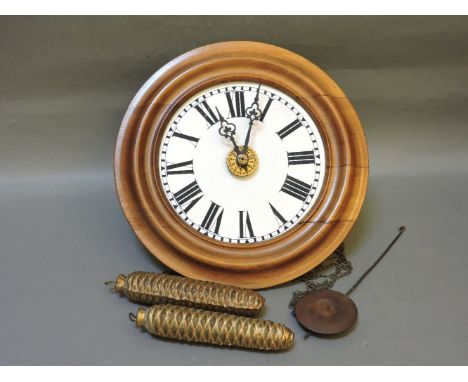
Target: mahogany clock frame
x: 256, y: 265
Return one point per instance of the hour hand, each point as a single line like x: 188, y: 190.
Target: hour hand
x: 228, y: 130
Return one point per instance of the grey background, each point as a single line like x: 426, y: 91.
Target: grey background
x: 65, y: 84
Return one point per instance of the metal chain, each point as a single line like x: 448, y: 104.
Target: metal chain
x: 325, y: 275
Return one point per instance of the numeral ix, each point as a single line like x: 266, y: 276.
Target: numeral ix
x: 245, y: 225
x: 236, y: 106
x: 180, y: 168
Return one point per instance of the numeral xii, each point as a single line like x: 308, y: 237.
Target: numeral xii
x: 236, y: 102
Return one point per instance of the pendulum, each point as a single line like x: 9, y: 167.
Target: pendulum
x: 326, y: 312
x: 156, y: 288
x: 330, y: 312
x: 222, y: 329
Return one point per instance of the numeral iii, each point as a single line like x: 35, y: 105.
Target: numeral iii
x: 301, y: 157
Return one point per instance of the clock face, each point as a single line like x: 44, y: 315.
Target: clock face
x: 236, y: 195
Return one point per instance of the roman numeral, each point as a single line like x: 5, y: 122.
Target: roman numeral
x: 214, y: 212
x: 236, y: 108
x: 277, y: 214
x: 293, y: 126
x: 301, y: 157
x: 296, y: 188
x: 207, y: 113
x: 245, y: 225
x: 265, y: 109
x: 186, y: 137
x: 187, y: 196
x: 184, y: 168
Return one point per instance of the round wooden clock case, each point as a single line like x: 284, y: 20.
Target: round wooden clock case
x: 256, y: 264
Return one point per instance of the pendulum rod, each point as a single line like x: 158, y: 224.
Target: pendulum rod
x: 401, y: 230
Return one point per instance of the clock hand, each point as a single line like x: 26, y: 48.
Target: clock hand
x: 228, y: 130
x: 254, y: 113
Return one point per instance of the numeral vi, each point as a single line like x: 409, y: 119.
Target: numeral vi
x: 245, y: 225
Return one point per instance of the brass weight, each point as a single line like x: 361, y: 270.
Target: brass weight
x: 196, y: 325
x: 156, y: 288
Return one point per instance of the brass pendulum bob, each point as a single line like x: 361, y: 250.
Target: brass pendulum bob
x: 330, y: 312
x: 326, y: 312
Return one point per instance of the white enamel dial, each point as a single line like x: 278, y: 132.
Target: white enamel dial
x: 257, y: 207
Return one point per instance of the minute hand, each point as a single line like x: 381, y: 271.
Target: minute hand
x: 254, y: 115
x: 247, y: 138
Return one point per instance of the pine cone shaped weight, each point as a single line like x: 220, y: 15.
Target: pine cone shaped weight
x: 197, y: 325
x: 155, y: 288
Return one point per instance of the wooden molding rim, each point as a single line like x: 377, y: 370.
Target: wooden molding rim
x: 256, y: 265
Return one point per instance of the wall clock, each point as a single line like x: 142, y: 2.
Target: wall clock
x: 242, y: 163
